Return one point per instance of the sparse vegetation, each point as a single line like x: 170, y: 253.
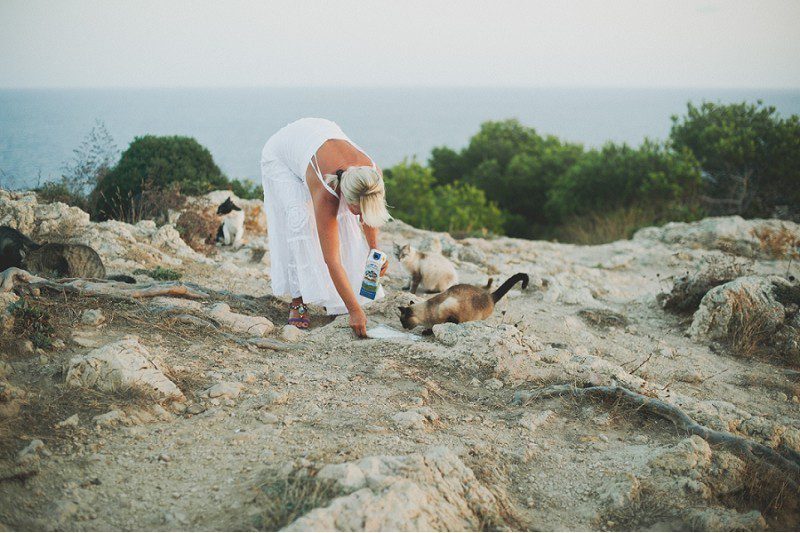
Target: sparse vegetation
x: 198, y: 229
x: 160, y: 273
x: 286, y: 497
x: 750, y: 328
x: 33, y: 322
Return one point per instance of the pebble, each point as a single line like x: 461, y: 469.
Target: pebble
x: 225, y: 389
x: 267, y: 418
x: 72, y: 421
x: 291, y: 333
x: 493, y: 384
x: 92, y: 317
x: 195, y: 409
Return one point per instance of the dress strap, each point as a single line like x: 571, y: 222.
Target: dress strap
x: 315, y: 166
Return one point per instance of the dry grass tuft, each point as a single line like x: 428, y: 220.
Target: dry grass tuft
x: 600, y: 228
x: 778, y: 243
x: 750, y: 328
x: 54, y: 402
x: 770, y: 493
x: 286, y: 497
x: 640, y: 513
x: 198, y: 228
x: 494, y: 475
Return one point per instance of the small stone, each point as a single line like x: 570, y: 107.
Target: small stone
x: 250, y: 378
x: 532, y: 421
x: 690, y: 376
x: 267, y: 418
x: 25, y: 347
x: 164, y: 457
x: 110, y: 418
x: 276, y: 397
x: 291, y: 333
x: 493, y: 384
x: 178, y: 407
x: 72, y: 421
x: 195, y: 409
x: 92, y: 317
x: 224, y: 389
x: 475, y: 382
x: 31, y: 451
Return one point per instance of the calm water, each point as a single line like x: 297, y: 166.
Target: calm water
x: 40, y: 128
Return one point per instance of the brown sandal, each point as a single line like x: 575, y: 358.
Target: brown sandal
x: 303, y: 321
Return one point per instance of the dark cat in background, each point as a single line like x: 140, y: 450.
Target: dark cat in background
x: 53, y: 260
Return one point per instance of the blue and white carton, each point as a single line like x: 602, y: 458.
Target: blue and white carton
x: 372, y: 274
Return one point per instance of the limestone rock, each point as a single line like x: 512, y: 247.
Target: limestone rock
x: 415, y: 418
x: 476, y: 345
x: 532, y: 421
x: 417, y: 492
x: 111, y: 418
x: 256, y: 326
x: 690, y: 455
x: 121, y: 364
x: 291, y: 333
x: 6, y: 317
x: 730, y: 234
x: 746, y: 298
x: 32, y: 452
x: 72, y: 421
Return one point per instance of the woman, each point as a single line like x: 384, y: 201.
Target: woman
x: 317, y: 183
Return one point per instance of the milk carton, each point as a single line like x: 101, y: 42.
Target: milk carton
x: 372, y: 273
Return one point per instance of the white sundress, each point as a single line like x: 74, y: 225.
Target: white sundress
x: 297, y: 265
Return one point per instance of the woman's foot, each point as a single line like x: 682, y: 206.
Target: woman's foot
x: 298, y: 314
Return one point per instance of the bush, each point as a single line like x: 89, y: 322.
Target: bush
x: 58, y: 191
x: 652, y: 177
x: 415, y: 198
x: 749, y: 155
x: 162, y: 162
x: 514, y: 166
x: 247, y: 190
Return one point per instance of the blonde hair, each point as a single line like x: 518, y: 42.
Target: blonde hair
x: 363, y: 186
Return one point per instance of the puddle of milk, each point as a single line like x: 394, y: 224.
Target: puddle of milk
x: 385, y: 332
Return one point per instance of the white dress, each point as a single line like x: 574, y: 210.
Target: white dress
x: 297, y: 265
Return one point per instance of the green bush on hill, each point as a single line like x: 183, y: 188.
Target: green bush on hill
x: 171, y: 162
x: 749, y: 154
x: 514, y: 166
x: 415, y: 198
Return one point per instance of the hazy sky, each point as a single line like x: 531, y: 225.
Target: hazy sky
x: 641, y: 43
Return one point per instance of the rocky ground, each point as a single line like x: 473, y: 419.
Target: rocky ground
x: 185, y: 405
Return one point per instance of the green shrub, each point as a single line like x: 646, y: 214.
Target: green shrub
x: 514, y: 166
x: 247, y: 190
x: 162, y: 162
x: 652, y: 176
x: 750, y: 156
x: 33, y: 322
x: 59, y: 191
x: 160, y: 273
x: 415, y: 198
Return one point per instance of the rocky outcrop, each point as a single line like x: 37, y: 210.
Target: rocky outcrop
x: 733, y: 305
x: 121, y: 364
x: 750, y: 238
x: 433, y: 491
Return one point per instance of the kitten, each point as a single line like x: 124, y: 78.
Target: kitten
x: 231, y: 230
x: 14, y: 245
x: 459, y: 303
x: 434, y: 271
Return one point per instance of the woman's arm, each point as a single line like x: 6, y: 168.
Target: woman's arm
x: 325, y: 213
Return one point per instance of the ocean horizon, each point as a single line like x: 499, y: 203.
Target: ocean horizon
x: 40, y: 128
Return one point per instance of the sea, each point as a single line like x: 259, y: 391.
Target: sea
x: 40, y: 128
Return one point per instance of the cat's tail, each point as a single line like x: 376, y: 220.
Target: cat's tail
x: 510, y: 282
x: 121, y: 277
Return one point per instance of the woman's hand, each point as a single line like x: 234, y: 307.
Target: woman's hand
x: 384, y: 267
x: 358, y: 321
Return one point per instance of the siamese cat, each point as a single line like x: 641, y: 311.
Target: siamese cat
x: 459, y: 303
x: 231, y: 230
x: 432, y: 270
x: 54, y: 260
